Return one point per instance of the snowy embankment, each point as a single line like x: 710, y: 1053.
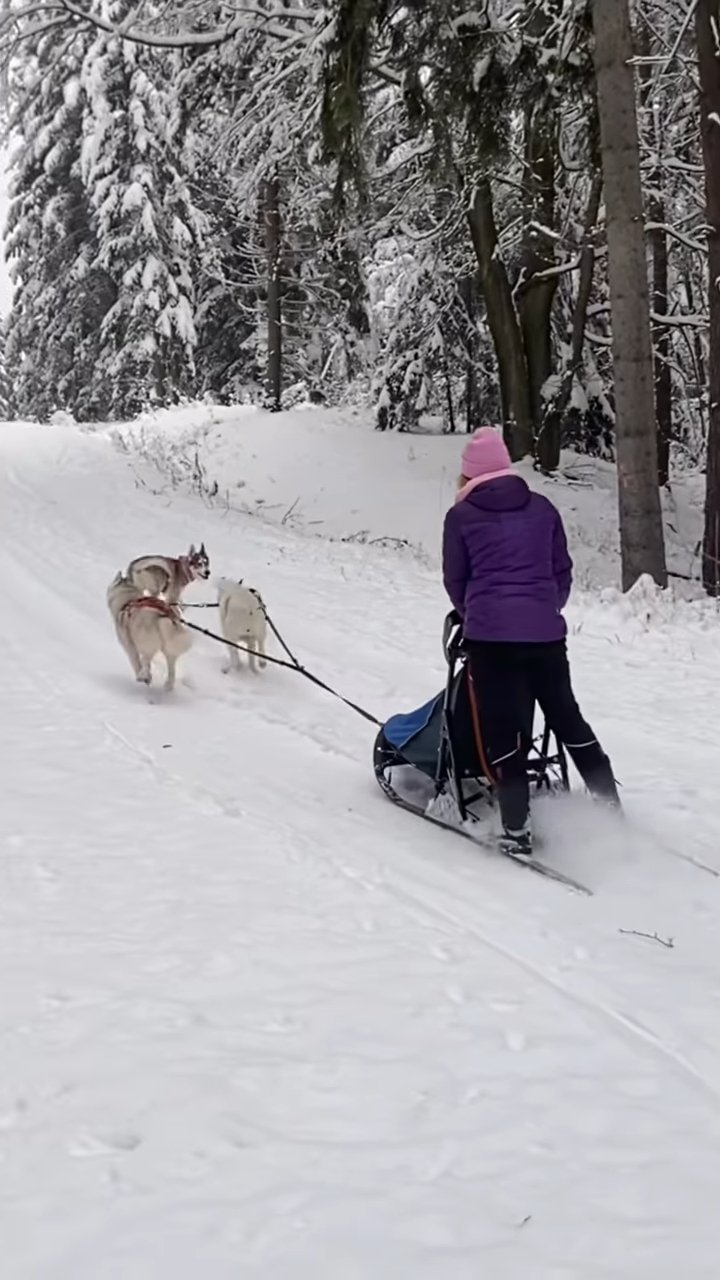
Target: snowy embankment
x: 256, y: 1022
x: 327, y: 472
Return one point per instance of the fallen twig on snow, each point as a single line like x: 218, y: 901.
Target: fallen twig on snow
x: 654, y: 937
x: 290, y: 510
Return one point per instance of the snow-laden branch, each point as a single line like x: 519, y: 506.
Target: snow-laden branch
x: 550, y: 273
x: 696, y: 245
x: 161, y: 40
x: 679, y: 322
x: 661, y: 318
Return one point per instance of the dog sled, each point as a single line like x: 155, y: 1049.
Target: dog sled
x: 430, y: 760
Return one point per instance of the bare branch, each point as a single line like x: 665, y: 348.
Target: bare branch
x: 654, y: 937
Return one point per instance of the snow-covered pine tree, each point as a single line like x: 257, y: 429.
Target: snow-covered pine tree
x: 147, y: 228
x: 60, y: 295
x: 285, y: 275
x: 6, y: 405
x: 228, y: 274
x: 432, y: 349
x: 479, y: 97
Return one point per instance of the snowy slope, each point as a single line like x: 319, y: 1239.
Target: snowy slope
x: 255, y: 1021
x: 327, y: 472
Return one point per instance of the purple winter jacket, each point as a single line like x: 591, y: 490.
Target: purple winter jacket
x: 506, y: 565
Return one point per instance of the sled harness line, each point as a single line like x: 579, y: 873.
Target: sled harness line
x: 281, y: 662
x: 215, y: 604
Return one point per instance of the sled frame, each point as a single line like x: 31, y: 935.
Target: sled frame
x: 547, y: 766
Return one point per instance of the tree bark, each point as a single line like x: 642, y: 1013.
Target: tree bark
x: 659, y: 248
x: 659, y: 254
x: 661, y: 341
x: 707, y: 25
x: 472, y: 398
x: 536, y: 294
x: 273, y: 250
x: 640, y: 515
x: 503, y: 324
x: 555, y: 412
x: 696, y: 339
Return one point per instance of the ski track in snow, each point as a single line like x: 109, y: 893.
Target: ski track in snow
x: 257, y: 1022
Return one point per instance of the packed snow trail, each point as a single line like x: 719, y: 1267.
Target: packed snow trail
x: 253, y: 1020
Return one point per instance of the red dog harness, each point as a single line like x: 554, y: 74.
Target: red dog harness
x: 153, y: 602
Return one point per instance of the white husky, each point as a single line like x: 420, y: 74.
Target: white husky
x: 243, y: 620
x: 146, y: 626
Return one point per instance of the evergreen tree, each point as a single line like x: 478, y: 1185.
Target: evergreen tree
x: 146, y: 227
x: 52, y: 340
x: 6, y: 399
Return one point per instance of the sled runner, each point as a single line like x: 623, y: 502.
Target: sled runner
x: 430, y: 761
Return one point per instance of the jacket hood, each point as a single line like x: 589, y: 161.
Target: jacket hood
x: 507, y: 493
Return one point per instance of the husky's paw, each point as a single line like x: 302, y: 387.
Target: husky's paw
x: 144, y: 677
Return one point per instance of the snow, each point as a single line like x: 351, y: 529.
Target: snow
x: 328, y: 472
x: 255, y: 1021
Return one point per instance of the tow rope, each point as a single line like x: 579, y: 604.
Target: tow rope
x: 292, y: 665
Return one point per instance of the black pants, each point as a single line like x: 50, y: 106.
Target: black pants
x: 507, y: 680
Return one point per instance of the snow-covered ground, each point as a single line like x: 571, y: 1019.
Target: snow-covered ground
x: 328, y: 473
x: 256, y: 1022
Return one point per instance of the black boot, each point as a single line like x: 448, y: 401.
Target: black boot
x: 596, y: 772
x: 517, y: 844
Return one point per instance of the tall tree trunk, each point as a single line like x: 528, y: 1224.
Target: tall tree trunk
x: 503, y: 323
x: 641, y: 530
x: 273, y: 250
x: 472, y: 398
x: 555, y: 412
x: 697, y: 345
x: 536, y: 293
x: 659, y: 254
x: 707, y: 26
x: 661, y: 339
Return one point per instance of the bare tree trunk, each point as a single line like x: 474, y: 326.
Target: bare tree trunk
x: 448, y: 395
x: 273, y: 249
x: 641, y: 530
x: 587, y: 268
x: 536, y: 293
x: 556, y: 411
x: 697, y: 345
x: 661, y: 340
x: 503, y: 323
x: 707, y: 26
x: 659, y: 253
x: 472, y: 398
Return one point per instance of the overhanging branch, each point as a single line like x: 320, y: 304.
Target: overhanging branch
x: 180, y: 40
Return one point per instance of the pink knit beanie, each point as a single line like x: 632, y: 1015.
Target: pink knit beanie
x: 485, y: 456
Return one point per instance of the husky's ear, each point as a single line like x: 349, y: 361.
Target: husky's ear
x: 203, y: 552
x: 191, y: 552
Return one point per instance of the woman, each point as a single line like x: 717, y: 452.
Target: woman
x: 508, y: 573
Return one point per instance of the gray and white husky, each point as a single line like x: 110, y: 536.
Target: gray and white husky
x: 168, y: 576
x: 145, y: 627
x: 243, y: 620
